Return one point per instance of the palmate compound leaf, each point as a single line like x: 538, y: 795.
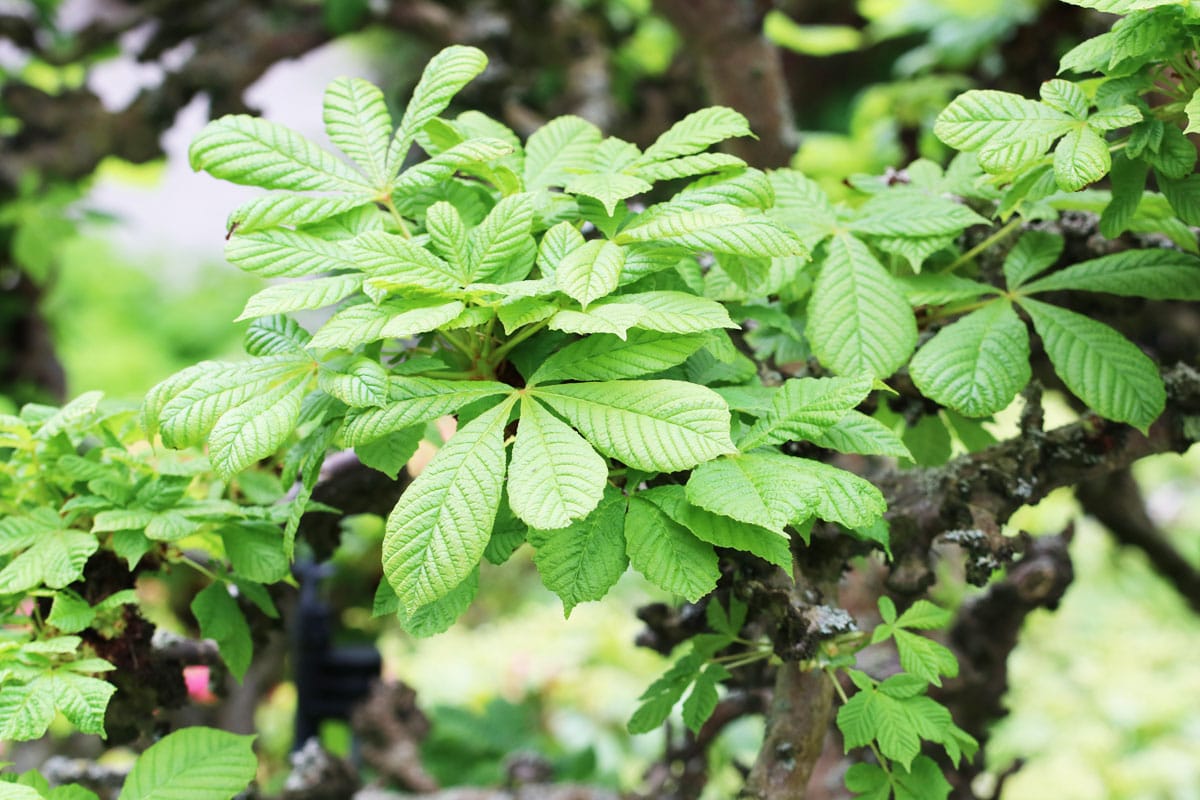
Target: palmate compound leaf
x: 357, y: 121
x: 1034, y: 253
x: 192, y: 763
x: 858, y: 319
x: 55, y: 559
x: 1099, y: 365
x: 438, y: 530
x: 1153, y: 274
x: 555, y: 476
x: 27, y: 709
x: 668, y: 554
x: 748, y: 488
x: 604, y: 357
x: 659, y: 425
x: 413, y: 401
x: 978, y: 364
x: 805, y: 407
x: 501, y: 248
x: 444, y: 76
x: 584, y: 560
x: 254, y: 152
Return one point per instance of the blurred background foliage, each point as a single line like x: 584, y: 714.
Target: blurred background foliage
x: 127, y: 264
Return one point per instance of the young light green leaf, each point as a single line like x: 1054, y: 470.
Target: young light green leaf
x: 274, y: 336
x: 1065, y: 96
x: 909, y: 212
x: 591, y: 271
x: 660, y: 426
x: 833, y: 494
x: 804, y: 408
x: 436, y: 534
x: 662, y: 695
x: 719, y: 229
x: 253, y: 152
x: 1110, y: 119
x: 361, y: 382
x: 447, y: 235
x: 390, y: 256
x: 1154, y: 274
x: 358, y: 122
x: 748, y: 488
x: 719, y: 530
x: 557, y: 244
x: 858, y: 433
x: 858, y: 321
x: 300, y: 295
x: 444, y: 76
x: 556, y: 477
x: 583, y: 561
x: 433, y: 173
x: 688, y: 166
x: 55, y: 560
x: 255, y: 429
x: 666, y: 553
x: 702, y: 700
x: 613, y: 318
x: 1101, y: 367
x: 1081, y: 158
x: 1034, y: 252
x: 924, y: 658
x: 933, y: 289
x: 501, y: 248
x: 604, y: 357
x: 697, y: 131
x: 280, y: 253
x: 559, y: 149
x: 988, y: 119
x: 977, y: 364
x: 524, y: 311
x: 413, y: 401
x: 609, y: 188
x: 221, y: 620
x: 366, y: 323
x: 191, y: 763
x: 802, y: 205
x: 1192, y: 110
x: 674, y: 312
x: 286, y: 209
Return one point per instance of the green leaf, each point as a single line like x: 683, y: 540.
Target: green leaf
x: 924, y: 615
x: 82, y: 700
x: 192, y: 763
x: 300, y: 296
x: 662, y: 695
x: 977, y: 364
x: 659, y: 426
x: 1192, y: 109
x: 447, y: 235
x: 361, y: 382
x: 1110, y: 119
x: 256, y: 551
x: 604, y: 357
x: 366, y: 322
x: 413, y: 401
x: 924, y: 658
x: 1101, y: 367
x: 719, y: 229
x: 803, y: 408
x: 444, y: 76
x: 719, y: 530
x: 1154, y: 274
x: 583, y: 561
x: 1175, y: 157
x: 609, y: 188
x: 55, y: 559
x: 557, y: 150
x: 255, y: 429
x: 702, y: 701
x: 358, y: 122
x: 70, y: 613
x: 666, y: 553
x: 868, y: 782
x: 1034, y: 252
x: 501, y: 248
x: 524, y: 311
x: 1081, y: 158
x: 988, y: 120
x: 1120, y: 6
x: 253, y: 152
x: 389, y: 256
x: 285, y: 209
x: 591, y: 271
x: 697, y: 131
x: 924, y: 781
x: 1065, y: 96
x: 613, y: 318
x: 280, y: 253
x: 1184, y: 197
x: 688, y: 166
x: 436, y: 534
x: 221, y: 620
x: 858, y: 433
x: 434, y: 173
x: 673, y: 312
x: 437, y: 617
x: 275, y: 335
x: 858, y: 321
x: 802, y: 205
x: 933, y: 289
x: 556, y: 244
x: 749, y: 488
x: 556, y: 477
x: 911, y: 212
x: 391, y: 452
x: 832, y: 493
